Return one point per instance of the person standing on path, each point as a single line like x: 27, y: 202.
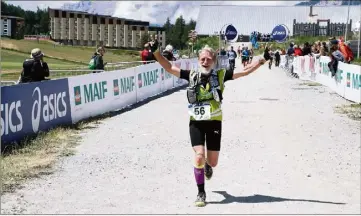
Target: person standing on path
x: 204, y: 93
x: 232, y: 55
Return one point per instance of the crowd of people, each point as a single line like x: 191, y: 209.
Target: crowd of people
x: 261, y: 37
x: 148, y: 57
x: 337, y: 49
x: 243, y: 53
x: 35, y: 69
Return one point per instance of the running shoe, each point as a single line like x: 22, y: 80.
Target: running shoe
x: 201, y: 199
x: 208, y: 171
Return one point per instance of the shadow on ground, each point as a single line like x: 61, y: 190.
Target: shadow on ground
x: 262, y: 199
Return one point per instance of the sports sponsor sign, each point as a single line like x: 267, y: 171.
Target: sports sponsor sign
x: 98, y: 93
x: 148, y: 81
x: 346, y: 82
x: 29, y: 108
x: 280, y: 33
x: 231, y: 33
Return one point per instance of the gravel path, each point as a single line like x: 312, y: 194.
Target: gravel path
x: 284, y: 150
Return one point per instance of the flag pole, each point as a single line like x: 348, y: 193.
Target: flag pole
x: 348, y: 16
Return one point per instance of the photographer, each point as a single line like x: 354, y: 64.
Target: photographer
x: 34, y: 69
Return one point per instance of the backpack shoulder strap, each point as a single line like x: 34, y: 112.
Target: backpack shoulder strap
x: 193, y: 78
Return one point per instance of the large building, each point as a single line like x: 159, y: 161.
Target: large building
x: 81, y: 28
x: 214, y: 18
x: 10, y: 25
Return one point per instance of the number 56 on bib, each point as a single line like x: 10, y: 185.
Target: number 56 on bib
x: 200, y: 112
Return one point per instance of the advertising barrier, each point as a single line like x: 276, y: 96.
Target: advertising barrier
x: 346, y: 82
x: 95, y: 94
x: 29, y: 108
x: 98, y: 93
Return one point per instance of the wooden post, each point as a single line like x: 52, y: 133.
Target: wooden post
x: 294, y: 26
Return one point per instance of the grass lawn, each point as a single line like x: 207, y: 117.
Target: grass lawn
x: 78, y: 54
x: 58, y: 57
x: 12, y: 62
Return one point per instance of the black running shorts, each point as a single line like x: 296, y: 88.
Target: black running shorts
x: 209, y: 132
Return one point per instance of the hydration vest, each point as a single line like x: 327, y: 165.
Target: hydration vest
x: 211, y: 93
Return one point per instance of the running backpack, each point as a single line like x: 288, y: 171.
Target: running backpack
x: 91, y: 65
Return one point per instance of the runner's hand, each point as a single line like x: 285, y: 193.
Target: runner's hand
x: 154, y: 46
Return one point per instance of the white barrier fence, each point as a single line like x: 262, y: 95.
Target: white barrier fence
x: 346, y: 82
x: 40, y: 106
x: 98, y: 93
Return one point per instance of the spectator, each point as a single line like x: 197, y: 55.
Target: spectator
x: 346, y: 52
x: 290, y: 50
x: 168, y: 53
x: 34, y: 69
x: 336, y: 56
x: 145, y: 53
x: 277, y: 58
x: 306, y: 49
x: 223, y: 52
x: 324, y: 49
x: 283, y: 51
x: 314, y: 49
x: 298, y: 51
x: 98, y: 59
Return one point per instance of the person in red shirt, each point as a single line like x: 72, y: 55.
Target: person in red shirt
x: 298, y: 51
x: 346, y: 51
x: 145, y: 54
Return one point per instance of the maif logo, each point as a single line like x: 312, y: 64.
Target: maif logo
x: 77, y: 95
x: 116, y: 87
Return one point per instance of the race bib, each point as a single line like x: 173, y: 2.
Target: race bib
x: 200, y: 112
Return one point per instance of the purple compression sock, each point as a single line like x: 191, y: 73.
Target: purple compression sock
x: 199, y: 175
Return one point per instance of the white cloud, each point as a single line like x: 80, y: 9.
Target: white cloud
x: 32, y: 5
x: 155, y: 12
x: 158, y: 11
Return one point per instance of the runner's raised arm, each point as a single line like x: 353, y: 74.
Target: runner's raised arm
x: 163, y: 61
x: 250, y: 69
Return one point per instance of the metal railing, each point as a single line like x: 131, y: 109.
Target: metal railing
x: 288, y: 67
x: 8, y: 83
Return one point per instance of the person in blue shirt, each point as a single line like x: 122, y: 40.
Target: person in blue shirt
x: 245, y: 56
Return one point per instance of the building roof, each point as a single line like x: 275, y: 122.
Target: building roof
x: 12, y: 17
x: 99, y: 15
x: 246, y: 19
